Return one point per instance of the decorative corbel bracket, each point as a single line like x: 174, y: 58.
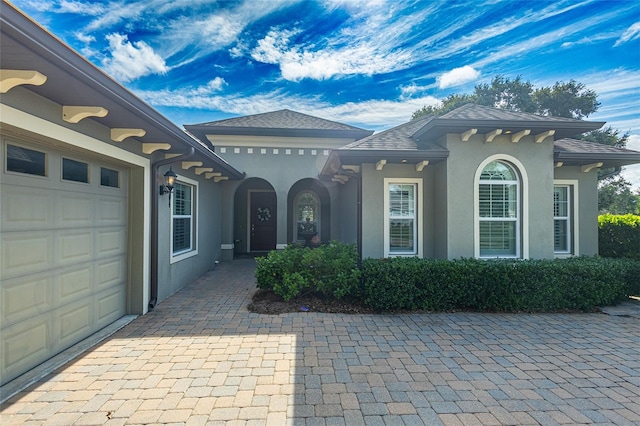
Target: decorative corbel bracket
x: 588, y: 167
x: 421, y: 165
x: 120, y: 134
x: 467, y: 135
x: 73, y: 114
x: 540, y: 137
x: 150, y: 148
x: 489, y: 137
x: 186, y: 165
x: 515, y: 138
x: 12, y: 78
x: 380, y: 164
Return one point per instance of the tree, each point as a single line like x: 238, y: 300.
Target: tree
x: 570, y: 100
x: 516, y: 95
x: 615, y: 197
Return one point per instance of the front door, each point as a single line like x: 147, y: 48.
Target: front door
x: 262, y: 207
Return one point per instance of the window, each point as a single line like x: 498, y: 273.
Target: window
x: 24, y: 160
x: 183, y: 243
x: 402, y: 224
x: 499, y: 211
x: 565, y: 218
x: 109, y: 177
x: 307, y: 210
x: 75, y: 171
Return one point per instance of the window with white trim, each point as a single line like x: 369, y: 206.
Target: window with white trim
x: 183, y: 220
x: 499, y: 211
x: 307, y: 207
x: 565, y: 217
x: 401, y: 217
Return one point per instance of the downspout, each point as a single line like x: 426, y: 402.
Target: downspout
x: 153, y: 296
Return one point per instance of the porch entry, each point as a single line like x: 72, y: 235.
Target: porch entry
x: 262, y: 220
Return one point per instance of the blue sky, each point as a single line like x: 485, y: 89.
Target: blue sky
x: 368, y: 64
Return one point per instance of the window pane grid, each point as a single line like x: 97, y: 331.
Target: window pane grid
x: 402, y: 219
x: 182, y: 218
x: 561, y: 220
x: 498, y: 210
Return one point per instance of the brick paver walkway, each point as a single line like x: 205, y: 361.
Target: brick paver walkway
x: 202, y: 358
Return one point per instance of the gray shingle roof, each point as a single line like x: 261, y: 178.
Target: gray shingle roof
x: 473, y: 112
x: 399, y: 137
x: 283, y: 119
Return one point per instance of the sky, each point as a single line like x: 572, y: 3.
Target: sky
x: 369, y: 64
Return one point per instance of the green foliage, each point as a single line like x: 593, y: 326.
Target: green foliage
x: 501, y: 285
x: 619, y: 236
x: 615, y: 197
x: 330, y: 270
x: 571, y: 100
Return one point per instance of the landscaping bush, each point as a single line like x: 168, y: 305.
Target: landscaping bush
x: 619, y: 236
x: 498, y: 285
x: 329, y: 270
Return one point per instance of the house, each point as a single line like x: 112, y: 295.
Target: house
x: 107, y: 208
x: 475, y: 182
x: 85, y: 236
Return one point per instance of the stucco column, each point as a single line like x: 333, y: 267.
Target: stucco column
x: 281, y: 237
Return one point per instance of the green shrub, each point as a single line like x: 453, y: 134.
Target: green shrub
x: 498, y: 285
x: 619, y: 236
x: 329, y: 270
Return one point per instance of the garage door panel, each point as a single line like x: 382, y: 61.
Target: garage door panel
x: 26, y: 253
x: 26, y: 208
x: 74, y: 284
x: 25, y: 298
x: 72, y: 323
x: 75, y: 246
x: 74, y: 210
x: 110, y: 306
x: 111, y: 210
x: 24, y: 345
x: 111, y: 272
x: 111, y: 242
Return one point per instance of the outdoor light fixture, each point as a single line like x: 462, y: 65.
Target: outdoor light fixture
x: 169, y: 180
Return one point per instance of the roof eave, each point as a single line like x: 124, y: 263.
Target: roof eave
x: 202, y: 131
x: 338, y: 157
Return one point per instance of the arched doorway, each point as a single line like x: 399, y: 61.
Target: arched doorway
x: 308, y: 199
x: 255, y: 217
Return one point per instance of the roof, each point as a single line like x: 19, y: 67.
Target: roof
x: 399, y: 137
x: 486, y: 119
x: 25, y: 45
x: 579, y: 152
x: 284, y: 122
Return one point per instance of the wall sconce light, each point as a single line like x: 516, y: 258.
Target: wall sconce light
x: 169, y: 179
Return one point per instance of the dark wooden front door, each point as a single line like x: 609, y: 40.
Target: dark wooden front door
x: 263, y: 221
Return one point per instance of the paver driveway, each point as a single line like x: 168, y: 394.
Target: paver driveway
x: 202, y: 358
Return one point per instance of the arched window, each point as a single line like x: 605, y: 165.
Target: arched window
x: 499, y: 210
x: 307, y: 211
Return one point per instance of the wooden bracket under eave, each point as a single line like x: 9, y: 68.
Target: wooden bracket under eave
x: 489, y: 137
x: 201, y: 170
x: 212, y: 174
x: 540, y: 137
x: 380, y: 164
x: 515, y: 138
x: 340, y: 178
x: 12, y: 78
x: 150, y: 148
x: 73, y: 114
x: 217, y: 179
x: 558, y: 164
x: 421, y: 165
x: 351, y: 168
x: 186, y: 165
x: 120, y: 134
x: 588, y: 167
x: 467, y: 135
x: 170, y: 155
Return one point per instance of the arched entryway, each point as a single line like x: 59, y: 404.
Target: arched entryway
x: 255, y: 217
x: 308, y: 199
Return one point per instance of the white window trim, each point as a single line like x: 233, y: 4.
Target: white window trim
x: 194, y: 222
x: 522, y: 248
x: 575, y: 217
x: 419, y: 217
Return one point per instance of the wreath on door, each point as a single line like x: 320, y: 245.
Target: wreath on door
x: 264, y: 214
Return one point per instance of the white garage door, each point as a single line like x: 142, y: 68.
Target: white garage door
x: 63, y: 242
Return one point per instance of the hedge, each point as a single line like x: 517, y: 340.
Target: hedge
x: 330, y: 270
x: 619, y: 236
x: 581, y: 283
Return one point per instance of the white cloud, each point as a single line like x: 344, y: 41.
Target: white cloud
x: 632, y: 33
x: 131, y: 60
x: 458, y: 76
